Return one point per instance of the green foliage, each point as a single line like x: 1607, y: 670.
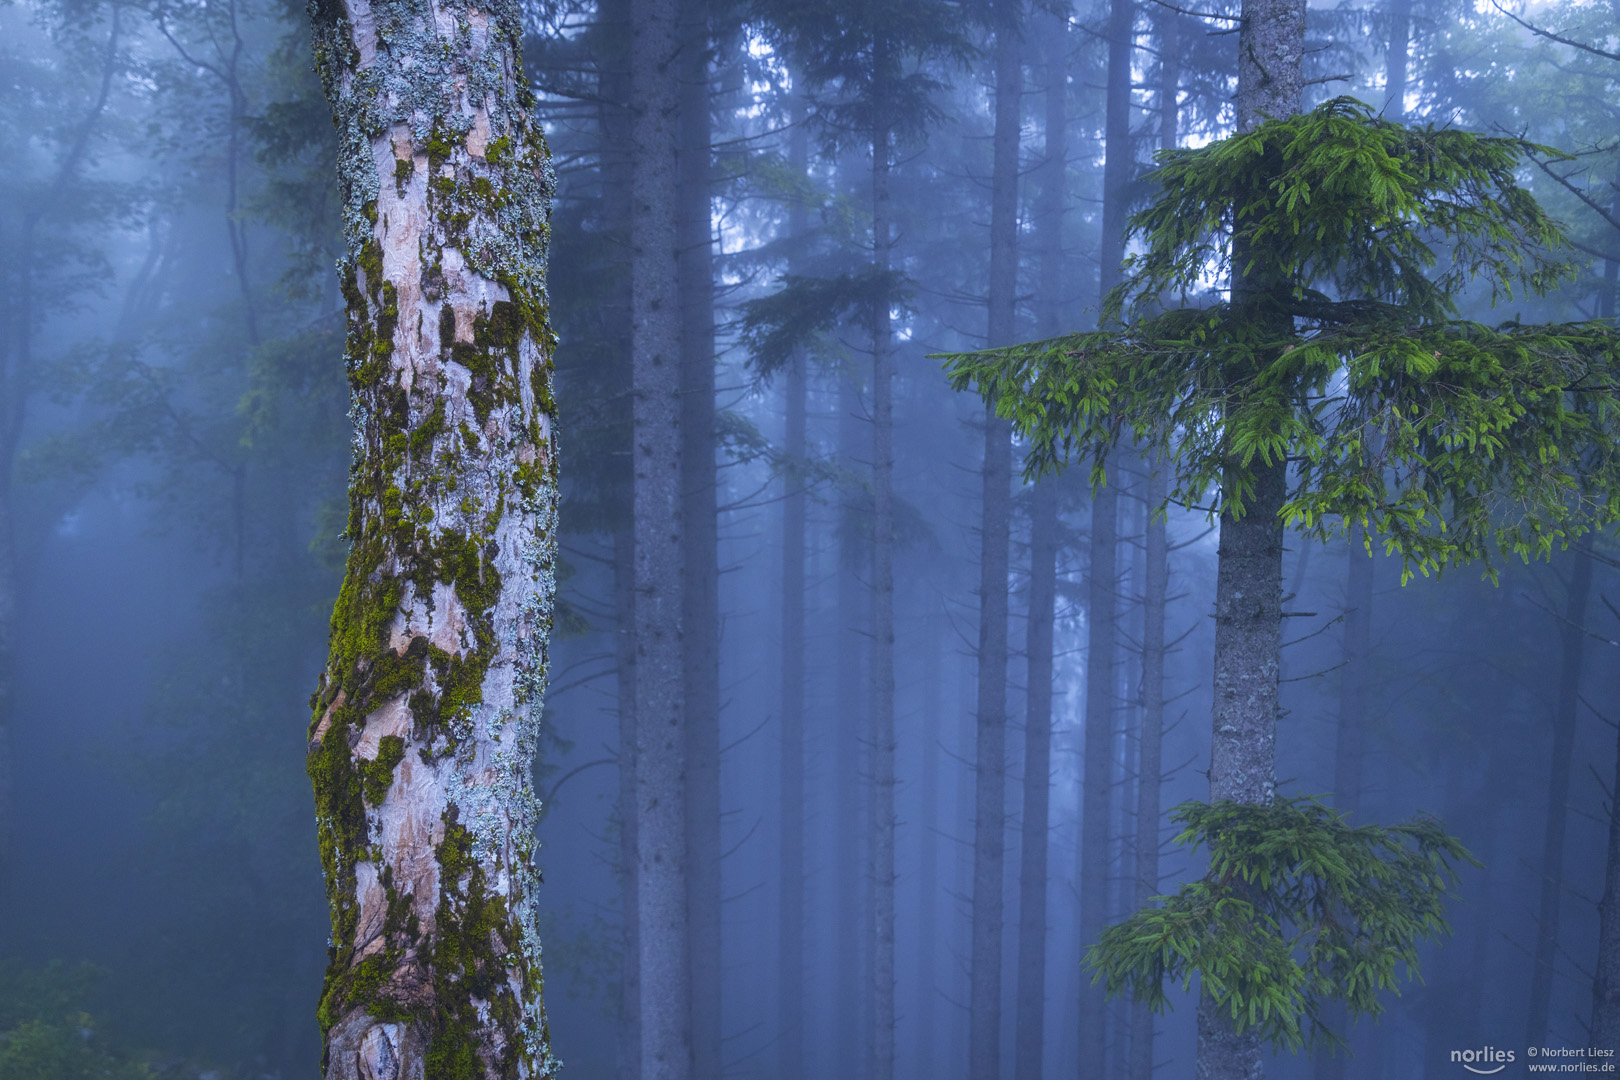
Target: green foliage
x: 1297, y: 909
x: 1350, y: 239
x: 45, y: 1034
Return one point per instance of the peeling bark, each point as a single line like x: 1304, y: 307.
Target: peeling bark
x: 428, y: 712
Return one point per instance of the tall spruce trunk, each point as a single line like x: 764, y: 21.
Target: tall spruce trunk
x: 790, y: 916
x: 1094, y: 851
x: 850, y: 740
x: 1248, y: 577
x: 928, y: 875
x: 428, y: 712
x: 1572, y: 644
x: 990, y: 761
x: 614, y: 119
x: 1092, y: 858
x: 1030, y: 1030
x: 661, y: 736
x: 1150, y: 744
x: 881, y: 730
x: 701, y: 589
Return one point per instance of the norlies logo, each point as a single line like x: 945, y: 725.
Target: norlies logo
x: 1481, y: 1061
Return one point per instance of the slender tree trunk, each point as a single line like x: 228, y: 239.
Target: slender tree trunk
x: 614, y: 118
x: 1037, y: 785
x: 1572, y: 639
x: 928, y: 876
x: 882, y: 673
x: 1094, y: 819
x: 1605, y: 1025
x: 1395, y: 59
x: 1030, y: 1036
x: 661, y: 737
x: 1118, y: 161
x: 790, y: 922
x: 427, y: 714
x: 1248, y: 580
x: 701, y: 596
x: 990, y: 774
x: 1150, y: 758
x: 848, y: 760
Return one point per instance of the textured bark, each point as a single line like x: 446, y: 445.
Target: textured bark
x: 1150, y: 746
x: 790, y: 918
x: 1248, y: 581
x: 1572, y: 643
x: 1118, y: 161
x: 1101, y: 585
x: 427, y: 714
x: 702, y: 585
x: 661, y: 742
x: 881, y: 732
x: 1028, y: 1043
x: 990, y: 772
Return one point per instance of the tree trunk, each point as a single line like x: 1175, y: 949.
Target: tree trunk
x: 1030, y: 1035
x: 928, y: 875
x: 790, y: 921
x: 1248, y: 579
x: 1150, y: 758
x: 1572, y: 640
x: 850, y: 740
x: 661, y: 737
x: 427, y: 714
x: 1118, y: 161
x: 701, y: 600
x: 1037, y: 786
x: 881, y: 957
x: 1093, y: 855
x: 1395, y: 58
x: 1605, y: 1025
x: 990, y: 773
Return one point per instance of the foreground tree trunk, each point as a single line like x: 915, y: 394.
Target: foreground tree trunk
x: 1248, y: 578
x: 990, y: 759
x: 1605, y: 1025
x: 661, y: 738
x: 427, y: 714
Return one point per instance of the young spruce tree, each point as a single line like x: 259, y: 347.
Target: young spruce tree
x: 1336, y: 351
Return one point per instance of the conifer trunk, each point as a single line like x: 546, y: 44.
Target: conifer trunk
x: 990, y: 772
x: 1118, y: 161
x: 661, y: 737
x: 701, y: 595
x: 790, y: 920
x: 1605, y: 1024
x: 427, y: 715
x: 1572, y: 642
x: 850, y: 740
x: 1096, y: 771
x: 882, y: 824
x: 1030, y: 1032
x: 1248, y: 579
x: 928, y: 876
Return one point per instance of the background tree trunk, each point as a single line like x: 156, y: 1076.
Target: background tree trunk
x: 1572, y: 643
x: 661, y: 743
x: 850, y: 740
x: 428, y: 712
x: 701, y: 591
x: 990, y: 760
x: 1101, y: 583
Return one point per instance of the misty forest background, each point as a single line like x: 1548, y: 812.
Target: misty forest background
x: 173, y: 456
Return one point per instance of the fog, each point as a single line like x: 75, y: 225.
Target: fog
x: 174, y: 454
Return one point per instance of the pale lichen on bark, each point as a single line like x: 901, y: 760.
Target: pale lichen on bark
x: 427, y: 715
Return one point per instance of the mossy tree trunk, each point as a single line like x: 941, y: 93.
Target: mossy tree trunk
x: 1248, y: 578
x: 990, y: 758
x: 428, y: 712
